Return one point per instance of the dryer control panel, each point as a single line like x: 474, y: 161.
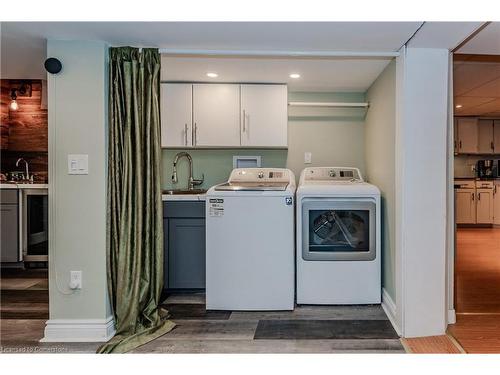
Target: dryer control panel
x: 332, y: 174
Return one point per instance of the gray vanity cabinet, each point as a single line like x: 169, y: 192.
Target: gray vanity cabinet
x: 184, y: 244
x: 9, y: 226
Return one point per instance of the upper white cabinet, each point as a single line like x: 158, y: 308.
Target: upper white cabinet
x: 467, y: 136
x: 216, y: 115
x: 485, y: 136
x: 176, y: 115
x: 264, y: 115
x: 223, y: 115
x: 496, y: 136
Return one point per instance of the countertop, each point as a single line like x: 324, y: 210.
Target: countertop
x: 183, y: 197
x: 24, y: 186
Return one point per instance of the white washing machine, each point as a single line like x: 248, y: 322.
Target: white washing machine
x: 250, y: 241
x: 338, y: 238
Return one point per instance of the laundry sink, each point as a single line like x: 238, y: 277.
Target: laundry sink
x: 184, y: 191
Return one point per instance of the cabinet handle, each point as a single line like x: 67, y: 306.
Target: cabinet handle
x: 460, y: 145
x: 472, y: 194
x: 492, y: 145
x: 478, y: 196
x: 244, y: 121
x: 185, y: 134
x: 195, y: 134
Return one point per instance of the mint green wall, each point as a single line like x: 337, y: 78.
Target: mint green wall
x: 334, y: 136
x: 380, y: 164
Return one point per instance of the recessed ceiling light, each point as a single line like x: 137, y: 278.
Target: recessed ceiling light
x: 458, y: 106
x: 295, y: 75
x: 212, y: 75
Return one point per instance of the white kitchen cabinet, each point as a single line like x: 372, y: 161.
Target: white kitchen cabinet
x: 455, y: 136
x: 264, y: 115
x: 176, y: 115
x: 485, y: 136
x: 496, y: 136
x: 216, y: 115
x: 467, y: 135
x: 465, y: 206
x: 496, y: 203
x: 484, y: 210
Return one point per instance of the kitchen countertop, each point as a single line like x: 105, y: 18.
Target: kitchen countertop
x: 183, y: 197
x: 23, y: 186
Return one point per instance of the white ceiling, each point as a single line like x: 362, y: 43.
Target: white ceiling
x: 23, y: 44
x: 477, y: 88
x: 486, y: 42
x: 315, y: 74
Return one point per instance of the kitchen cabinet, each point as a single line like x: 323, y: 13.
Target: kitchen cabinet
x: 496, y: 136
x: 184, y: 244
x: 484, y: 208
x: 496, y: 203
x: 465, y: 206
x: 176, y: 115
x: 485, y: 136
x: 264, y: 115
x: 9, y: 226
x: 467, y: 129
x: 216, y: 115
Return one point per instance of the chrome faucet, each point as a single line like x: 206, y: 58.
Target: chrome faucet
x: 192, y: 182
x: 27, y: 176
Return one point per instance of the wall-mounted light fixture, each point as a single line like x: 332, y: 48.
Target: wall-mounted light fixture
x: 24, y: 89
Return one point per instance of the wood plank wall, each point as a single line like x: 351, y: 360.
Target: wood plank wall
x: 24, y: 133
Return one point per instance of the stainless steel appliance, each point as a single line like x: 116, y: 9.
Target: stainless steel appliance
x: 484, y: 169
x: 35, y: 233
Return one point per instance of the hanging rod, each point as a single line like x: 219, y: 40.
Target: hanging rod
x: 264, y: 53
x: 329, y: 104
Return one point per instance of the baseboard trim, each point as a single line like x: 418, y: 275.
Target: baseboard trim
x: 390, y: 309
x: 452, y: 316
x: 79, y: 330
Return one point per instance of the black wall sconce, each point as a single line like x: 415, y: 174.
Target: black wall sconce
x: 24, y: 89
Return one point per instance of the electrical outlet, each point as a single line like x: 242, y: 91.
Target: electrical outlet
x: 307, y: 157
x: 75, y: 280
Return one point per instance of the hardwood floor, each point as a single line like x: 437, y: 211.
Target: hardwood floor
x: 477, y: 270
x: 432, y: 345
x: 477, y: 290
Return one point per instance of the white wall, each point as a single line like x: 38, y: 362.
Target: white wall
x: 77, y: 203
x: 380, y: 145
x: 421, y: 130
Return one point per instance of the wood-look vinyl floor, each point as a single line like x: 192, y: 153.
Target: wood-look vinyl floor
x: 477, y: 290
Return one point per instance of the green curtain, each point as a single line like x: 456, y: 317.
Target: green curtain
x: 134, y: 206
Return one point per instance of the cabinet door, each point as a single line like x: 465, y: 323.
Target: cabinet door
x: 10, y: 232
x: 496, y: 136
x: 496, y: 204
x: 467, y: 135
x: 216, y: 109
x: 465, y: 206
x: 455, y: 136
x: 484, y: 211
x: 485, y: 136
x: 264, y: 115
x: 176, y: 115
x: 186, y: 253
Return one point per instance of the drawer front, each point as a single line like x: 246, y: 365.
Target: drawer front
x: 466, y: 184
x: 9, y: 196
x: 484, y: 184
x: 180, y: 209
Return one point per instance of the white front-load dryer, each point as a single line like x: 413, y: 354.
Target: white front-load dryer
x: 338, y: 238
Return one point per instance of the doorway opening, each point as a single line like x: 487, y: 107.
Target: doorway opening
x: 476, y: 172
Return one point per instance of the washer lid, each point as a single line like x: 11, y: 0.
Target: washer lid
x: 252, y: 186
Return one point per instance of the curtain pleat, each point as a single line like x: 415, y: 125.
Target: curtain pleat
x: 134, y: 208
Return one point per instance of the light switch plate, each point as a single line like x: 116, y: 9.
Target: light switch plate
x: 78, y: 164
x: 307, y: 157
x: 75, y: 280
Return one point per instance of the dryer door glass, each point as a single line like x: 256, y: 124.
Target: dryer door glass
x: 338, y: 229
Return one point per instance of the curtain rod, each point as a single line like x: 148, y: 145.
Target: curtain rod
x: 264, y: 53
x: 329, y: 104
